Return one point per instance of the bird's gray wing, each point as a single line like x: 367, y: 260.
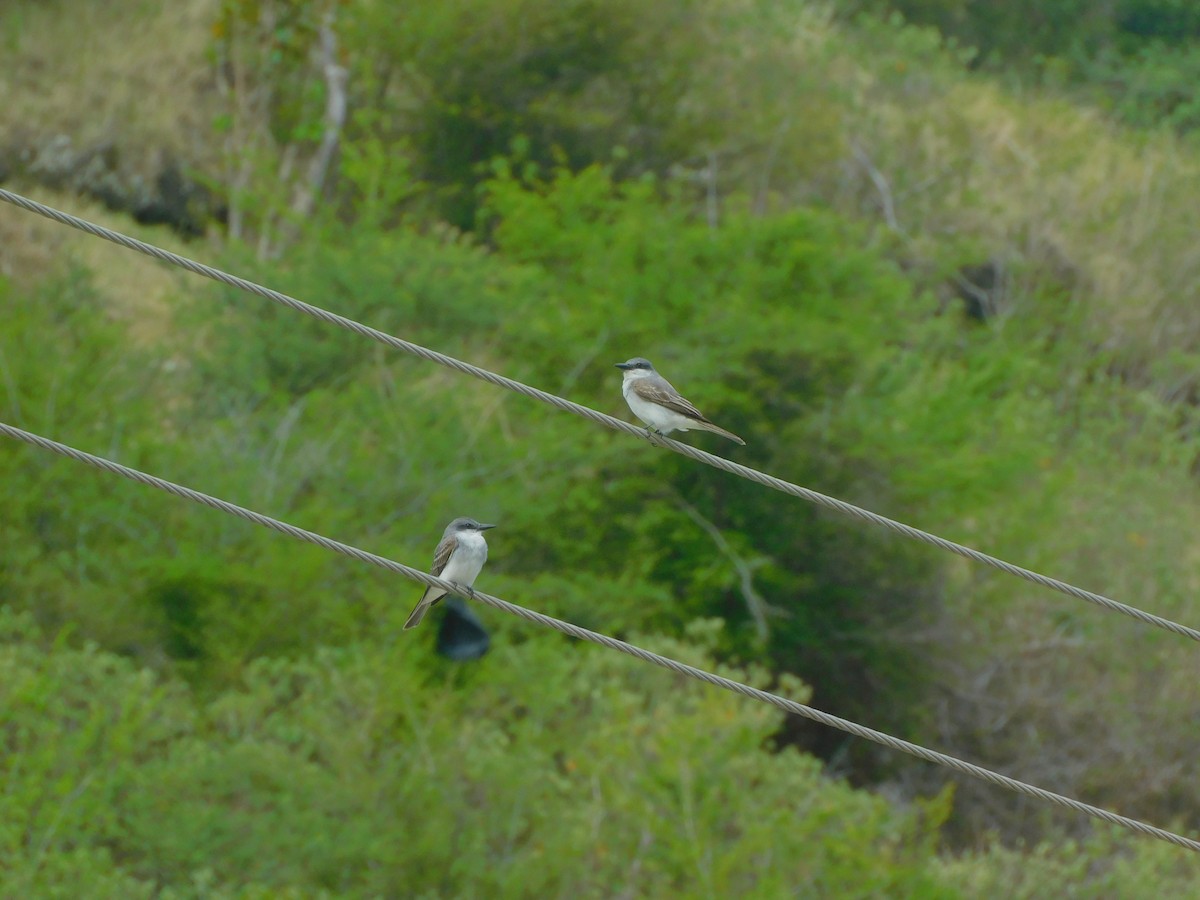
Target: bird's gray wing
x: 659, y: 390
x: 441, y: 556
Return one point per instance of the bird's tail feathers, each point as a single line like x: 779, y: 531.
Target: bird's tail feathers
x: 427, y: 600
x: 415, y: 617
x: 709, y: 426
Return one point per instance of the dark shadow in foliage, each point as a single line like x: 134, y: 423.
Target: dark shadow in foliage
x: 848, y: 598
x: 1142, y: 54
x: 982, y: 288
x: 558, y: 82
x: 194, y: 624
x: 180, y: 601
x: 397, y: 282
x: 845, y: 597
x: 1017, y: 31
x: 178, y: 202
x: 1171, y: 21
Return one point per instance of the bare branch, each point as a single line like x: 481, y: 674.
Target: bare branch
x: 764, y: 186
x: 335, y: 119
x: 758, y: 607
x: 308, y: 189
x: 712, y: 205
x: 881, y: 185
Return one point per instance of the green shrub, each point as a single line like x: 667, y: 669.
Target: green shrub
x: 359, y: 772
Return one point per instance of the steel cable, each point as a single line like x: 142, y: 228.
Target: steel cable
x: 687, y: 450
x: 783, y: 703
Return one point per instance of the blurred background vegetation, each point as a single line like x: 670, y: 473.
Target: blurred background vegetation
x: 936, y: 258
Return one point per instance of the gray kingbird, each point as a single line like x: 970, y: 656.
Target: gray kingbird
x: 459, y: 556
x: 659, y: 405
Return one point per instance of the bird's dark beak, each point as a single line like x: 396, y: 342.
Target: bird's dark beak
x: 486, y: 527
x: 621, y: 365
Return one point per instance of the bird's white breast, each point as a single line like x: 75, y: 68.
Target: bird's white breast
x: 467, y: 559
x: 659, y: 417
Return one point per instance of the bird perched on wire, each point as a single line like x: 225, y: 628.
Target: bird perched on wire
x: 459, y: 556
x: 659, y: 405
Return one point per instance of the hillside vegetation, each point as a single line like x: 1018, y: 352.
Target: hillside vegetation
x: 951, y: 291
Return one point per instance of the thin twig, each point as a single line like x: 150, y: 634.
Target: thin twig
x: 758, y: 607
x: 881, y: 185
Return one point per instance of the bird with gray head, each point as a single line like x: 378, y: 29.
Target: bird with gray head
x: 659, y: 405
x: 459, y: 557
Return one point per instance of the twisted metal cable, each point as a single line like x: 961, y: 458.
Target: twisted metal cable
x: 600, y: 418
x: 611, y: 643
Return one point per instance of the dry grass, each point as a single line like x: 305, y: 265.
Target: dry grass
x: 1022, y: 178
x: 1123, y: 208
x: 958, y: 170
x: 134, y: 288
x: 129, y: 72
x: 1034, y: 179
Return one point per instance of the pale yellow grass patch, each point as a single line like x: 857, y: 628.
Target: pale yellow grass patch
x: 131, y: 72
x: 1122, y: 206
x: 136, y: 290
x: 1031, y: 177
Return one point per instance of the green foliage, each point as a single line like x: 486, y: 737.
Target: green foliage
x: 465, y: 81
x: 66, y: 322
x: 76, y: 725
x: 397, y: 281
x: 869, y: 395
x: 1140, y: 55
x: 283, y: 104
x: 68, y: 374
x: 645, y: 270
x: 451, y: 86
x: 355, y: 774
x: 1110, y: 863
x: 1154, y: 85
x: 626, y: 269
x: 1018, y: 29
x: 256, y: 724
